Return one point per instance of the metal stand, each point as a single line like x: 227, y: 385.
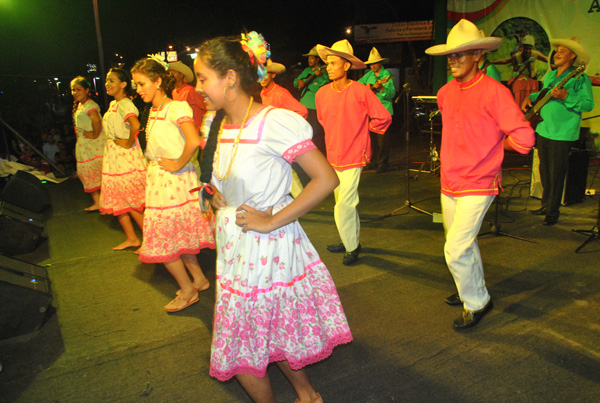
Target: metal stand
x: 495, y: 227
x: 407, y: 204
x: 594, y: 233
x: 434, y: 157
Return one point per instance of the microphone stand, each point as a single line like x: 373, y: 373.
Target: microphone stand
x: 594, y: 233
x: 495, y: 227
x: 407, y: 204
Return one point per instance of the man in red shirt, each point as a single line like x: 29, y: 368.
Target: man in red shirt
x: 480, y: 119
x: 348, y: 111
x: 275, y: 95
x: 185, y: 92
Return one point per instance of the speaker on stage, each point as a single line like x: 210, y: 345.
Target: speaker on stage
x: 26, y: 191
x: 24, y: 297
x: 20, y: 230
x: 575, y: 181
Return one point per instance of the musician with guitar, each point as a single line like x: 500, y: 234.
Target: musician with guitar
x: 566, y: 94
x: 380, y: 81
x: 308, y: 83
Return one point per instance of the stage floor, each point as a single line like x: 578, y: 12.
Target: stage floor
x: 107, y: 337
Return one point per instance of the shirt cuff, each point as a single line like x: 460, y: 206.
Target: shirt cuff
x: 303, y: 147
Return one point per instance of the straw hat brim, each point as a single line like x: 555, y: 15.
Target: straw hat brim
x: 188, y: 75
x: 380, y: 60
x: 575, y: 47
x: 324, y: 51
x: 486, y: 44
x: 312, y: 52
x: 276, y: 68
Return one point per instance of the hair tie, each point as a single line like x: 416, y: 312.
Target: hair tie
x: 258, y: 51
x: 159, y: 59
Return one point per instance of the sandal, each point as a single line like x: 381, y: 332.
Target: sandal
x: 315, y: 400
x: 188, y: 301
x: 203, y: 287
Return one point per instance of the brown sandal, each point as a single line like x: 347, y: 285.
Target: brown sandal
x: 188, y: 301
x: 315, y: 400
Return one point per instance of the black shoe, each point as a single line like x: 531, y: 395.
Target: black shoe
x: 471, y: 318
x: 540, y: 211
x: 337, y: 248
x: 351, y: 257
x: 550, y: 220
x: 453, y: 300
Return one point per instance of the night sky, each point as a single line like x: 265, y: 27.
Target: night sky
x: 58, y: 37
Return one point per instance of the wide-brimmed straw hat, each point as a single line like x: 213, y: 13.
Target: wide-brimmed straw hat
x: 574, y: 46
x: 465, y: 36
x: 188, y: 76
x: 276, y: 68
x: 375, y: 57
x: 342, y: 49
x: 313, y: 52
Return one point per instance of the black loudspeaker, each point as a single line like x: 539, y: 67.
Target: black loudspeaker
x: 26, y: 191
x: 575, y: 181
x: 24, y: 297
x: 20, y: 230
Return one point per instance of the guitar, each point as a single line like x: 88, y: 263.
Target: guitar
x: 310, y: 78
x: 533, y: 113
x: 380, y: 81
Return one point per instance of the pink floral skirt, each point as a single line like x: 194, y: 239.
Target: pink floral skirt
x: 174, y: 225
x: 275, y: 301
x: 88, y: 153
x: 123, y: 179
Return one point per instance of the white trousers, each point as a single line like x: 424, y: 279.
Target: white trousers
x: 345, y: 212
x: 462, y: 220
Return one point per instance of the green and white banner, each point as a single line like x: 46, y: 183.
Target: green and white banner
x: 542, y: 19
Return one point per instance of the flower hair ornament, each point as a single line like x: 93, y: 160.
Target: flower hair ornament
x: 159, y: 59
x: 258, y: 51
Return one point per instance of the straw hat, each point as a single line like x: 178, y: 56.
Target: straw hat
x: 465, y: 36
x: 375, y: 57
x: 313, y: 52
x: 188, y: 76
x: 342, y: 49
x: 276, y: 68
x: 574, y: 46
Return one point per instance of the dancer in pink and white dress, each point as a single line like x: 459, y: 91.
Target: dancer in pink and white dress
x: 124, y: 165
x: 276, y: 301
x: 90, y: 139
x: 175, y: 229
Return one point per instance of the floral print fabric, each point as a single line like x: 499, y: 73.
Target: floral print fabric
x: 88, y: 152
x: 276, y: 300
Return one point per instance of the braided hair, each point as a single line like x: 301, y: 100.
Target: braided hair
x: 221, y: 55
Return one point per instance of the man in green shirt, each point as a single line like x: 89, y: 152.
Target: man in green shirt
x: 308, y: 83
x: 561, y: 121
x: 380, y: 81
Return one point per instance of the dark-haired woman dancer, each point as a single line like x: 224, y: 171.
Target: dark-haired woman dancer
x: 276, y: 301
x: 123, y: 166
x: 174, y: 228
x: 90, y: 139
